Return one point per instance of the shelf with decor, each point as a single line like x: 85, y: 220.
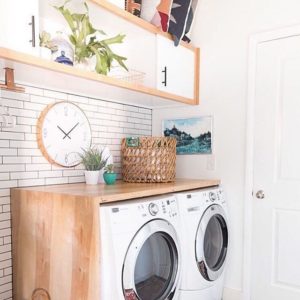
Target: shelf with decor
x: 24, y: 73
x: 160, y: 74
x: 137, y: 21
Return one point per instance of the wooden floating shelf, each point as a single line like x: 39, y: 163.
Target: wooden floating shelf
x: 136, y: 20
x: 27, y: 59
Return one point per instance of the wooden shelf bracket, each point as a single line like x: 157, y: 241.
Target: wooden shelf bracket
x: 10, y: 82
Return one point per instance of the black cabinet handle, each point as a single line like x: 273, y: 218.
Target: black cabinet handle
x: 32, y: 24
x: 164, y: 82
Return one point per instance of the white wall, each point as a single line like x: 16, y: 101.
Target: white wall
x: 222, y: 30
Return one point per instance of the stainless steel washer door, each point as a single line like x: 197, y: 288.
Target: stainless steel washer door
x: 151, y: 266
x: 212, y: 242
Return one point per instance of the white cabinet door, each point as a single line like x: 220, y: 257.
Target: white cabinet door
x: 175, y: 68
x: 19, y: 25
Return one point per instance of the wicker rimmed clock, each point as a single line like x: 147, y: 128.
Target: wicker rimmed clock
x: 63, y: 131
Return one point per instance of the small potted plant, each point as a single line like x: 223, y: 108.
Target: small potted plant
x: 93, y: 161
x: 109, y: 174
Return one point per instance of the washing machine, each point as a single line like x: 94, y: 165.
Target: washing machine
x: 204, y: 238
x: 140, y: 252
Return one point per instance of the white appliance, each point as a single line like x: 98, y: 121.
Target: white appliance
x: 140, y: 256
x: 204, y: 240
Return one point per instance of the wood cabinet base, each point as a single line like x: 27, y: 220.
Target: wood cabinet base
x: 55, y: 246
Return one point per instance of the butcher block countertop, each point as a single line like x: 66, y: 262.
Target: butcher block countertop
x: 121, y: 190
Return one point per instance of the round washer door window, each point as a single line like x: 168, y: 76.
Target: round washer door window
x: 212, y: 242
x: 151, y: 264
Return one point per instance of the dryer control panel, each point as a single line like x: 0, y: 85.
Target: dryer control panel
x: 214, y: 195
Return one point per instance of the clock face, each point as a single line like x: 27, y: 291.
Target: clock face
x: 63, y: 132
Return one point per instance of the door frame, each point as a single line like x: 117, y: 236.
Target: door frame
x: 254, y: 41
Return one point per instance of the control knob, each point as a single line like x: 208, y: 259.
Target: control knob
x: 153, y: 209
x: 212, y: 196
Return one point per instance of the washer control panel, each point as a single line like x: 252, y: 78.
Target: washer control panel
x: 165, y: 207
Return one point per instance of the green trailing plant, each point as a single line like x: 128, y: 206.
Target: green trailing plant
x: 92, y: 159
x: 46, y: 41
x: 84, y: 38
x: 109, y: 168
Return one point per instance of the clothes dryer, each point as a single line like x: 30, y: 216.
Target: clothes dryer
x: 204, y: 238
x: 140, y: 254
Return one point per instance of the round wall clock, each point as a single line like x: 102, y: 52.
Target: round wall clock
x: 63, y: 131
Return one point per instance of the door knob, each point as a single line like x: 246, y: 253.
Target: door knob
x: 260, y: 194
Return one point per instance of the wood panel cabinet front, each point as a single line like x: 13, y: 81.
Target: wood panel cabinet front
x: 55, y: 246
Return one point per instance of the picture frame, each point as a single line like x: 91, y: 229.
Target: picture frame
x: 193, y: 135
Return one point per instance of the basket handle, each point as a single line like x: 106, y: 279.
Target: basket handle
x: 40, y: 292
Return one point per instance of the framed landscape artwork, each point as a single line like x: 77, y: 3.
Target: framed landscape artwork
x: 193, y: 135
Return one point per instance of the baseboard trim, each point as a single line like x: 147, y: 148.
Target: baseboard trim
x: 232, y: 294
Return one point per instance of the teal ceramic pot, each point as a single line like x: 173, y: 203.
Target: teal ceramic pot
x: 110, y: 178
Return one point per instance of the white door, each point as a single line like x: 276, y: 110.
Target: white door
x: 19, y: 25
x: 175, y: 71
x: 276, y: 209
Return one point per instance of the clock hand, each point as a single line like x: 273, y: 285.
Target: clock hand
x: 66, y: 134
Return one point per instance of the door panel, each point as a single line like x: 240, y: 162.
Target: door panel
x: 276, y: 217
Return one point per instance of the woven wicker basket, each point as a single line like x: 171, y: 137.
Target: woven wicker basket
x: 152, y: 160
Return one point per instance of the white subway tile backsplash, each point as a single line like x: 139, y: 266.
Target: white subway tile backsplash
x: 23, y: 144
x: 34, y: 106
x: 76, y: 179
x: 31, y: 152
x: 55, y: 95
x: 4, y: 200
x: 13, y: 95
x: 4, y: 176
x: 26, y: 121
x: 4, y: 143
x: 16, y: 159
x: 41, y: 99
x: 46, y: 174
x: 38, y: 167
x: 78, y: 99
x: 8, y: 184
x: 56, y: 180
x: 22, y: 163
x: 23, y: 175
x: 12, y: 168
x: 34, y: 91
x: 12, y: 103
x: 11, y: 136
x: 8, y: 151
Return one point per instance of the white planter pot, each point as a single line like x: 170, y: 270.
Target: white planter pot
x: 91, y: 177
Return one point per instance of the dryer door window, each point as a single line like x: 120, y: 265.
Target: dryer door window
x: 212, y: 242
x: 151, y: 265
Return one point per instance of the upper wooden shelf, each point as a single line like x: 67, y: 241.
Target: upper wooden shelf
x: 135, y: 20
x: 42, y: 64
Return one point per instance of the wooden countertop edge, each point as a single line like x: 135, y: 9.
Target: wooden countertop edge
x: 120, y: 191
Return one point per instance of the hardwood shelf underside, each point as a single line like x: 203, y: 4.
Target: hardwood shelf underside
x: 30, y: 60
